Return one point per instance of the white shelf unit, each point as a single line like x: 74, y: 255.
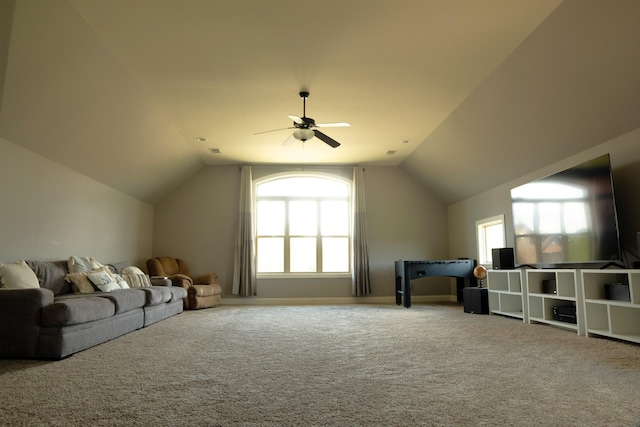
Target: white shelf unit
x: 611, y: 318
x: 568, y: 292
x: 507, y: 293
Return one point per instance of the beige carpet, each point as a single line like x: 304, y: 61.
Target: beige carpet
x: 345, y: 365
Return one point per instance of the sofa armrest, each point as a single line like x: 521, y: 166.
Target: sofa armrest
x: 181, y: 280
x: 20, y: 320
x: 160, y: 281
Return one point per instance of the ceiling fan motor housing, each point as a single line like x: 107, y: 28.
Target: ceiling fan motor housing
x: 307, y: 122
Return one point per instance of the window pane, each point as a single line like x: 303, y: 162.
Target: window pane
x: 549, y: 210
x: 303, y: 186
x: 303, y: 255
x: 270, y: 255
x: 335, y: 254
x: 303, y: 218
x: 335, y: 218
x: 490, y: 232
x: 270, y: 220
x: 494, y: 237
x: 524, y: 211
x: 575, y: 217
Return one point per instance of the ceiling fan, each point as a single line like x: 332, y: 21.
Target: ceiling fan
x: 305, y: 127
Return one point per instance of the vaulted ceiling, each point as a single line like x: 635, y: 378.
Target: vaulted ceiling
x: 463, y: 95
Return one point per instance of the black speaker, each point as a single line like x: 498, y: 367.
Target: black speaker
x: 503, y: 259
x: 476, y: 300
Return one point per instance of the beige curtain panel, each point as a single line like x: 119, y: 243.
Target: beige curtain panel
x: 244, y: 271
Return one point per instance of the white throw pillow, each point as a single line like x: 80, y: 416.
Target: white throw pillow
x: 18, y: 275
x: 81, y: 264
x: 103, y: 279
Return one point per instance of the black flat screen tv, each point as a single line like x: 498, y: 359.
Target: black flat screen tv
x: 567, y: 218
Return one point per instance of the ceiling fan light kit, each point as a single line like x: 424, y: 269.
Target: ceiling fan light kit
x: 304, y: 126
x: 303, y: 134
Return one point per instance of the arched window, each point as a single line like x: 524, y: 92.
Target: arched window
x: 302, y: 224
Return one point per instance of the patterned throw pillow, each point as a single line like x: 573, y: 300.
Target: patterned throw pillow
x: 103, y: 279
x: 137, y: 280
x: 132, y: 269
x: 80, y: 283
x: 121, y: 282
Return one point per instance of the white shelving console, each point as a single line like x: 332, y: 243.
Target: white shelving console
x: 507, y: 294
x: 567, y: 293
x: 608, y: 317
x: 521, y: 294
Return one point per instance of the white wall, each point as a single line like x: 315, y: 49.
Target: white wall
x: 197, y: 223
x: 625, y: 162
x: 49, y: 212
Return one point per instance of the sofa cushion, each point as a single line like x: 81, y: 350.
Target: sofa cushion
x: 177, y: 293
x: 18, y: 275
x: 51, y: 275
x: 126, y: 299
x: 157, y: 295
x: 70, y: 310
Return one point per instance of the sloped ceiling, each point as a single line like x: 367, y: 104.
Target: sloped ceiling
x: 573, y: 84
x: 464, y: 94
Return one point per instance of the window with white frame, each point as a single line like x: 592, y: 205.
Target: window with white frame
x: 490, y: 235
x: 302, y: 224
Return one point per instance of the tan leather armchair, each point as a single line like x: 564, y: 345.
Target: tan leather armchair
x: 202, y: 291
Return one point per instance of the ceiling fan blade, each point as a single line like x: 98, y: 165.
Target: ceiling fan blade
x: 296, y: 119
x: 328, y: 140
x: 289, y: 141
x: 333, y: 125
x: 273, y: 130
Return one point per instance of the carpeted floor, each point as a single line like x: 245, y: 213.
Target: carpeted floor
x: 340, y: 365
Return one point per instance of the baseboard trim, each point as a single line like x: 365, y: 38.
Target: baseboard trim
x: 236, y: 300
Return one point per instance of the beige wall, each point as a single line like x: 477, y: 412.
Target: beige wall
x: 625, y: 163
x: 197, y: 222
x: 49, y: 212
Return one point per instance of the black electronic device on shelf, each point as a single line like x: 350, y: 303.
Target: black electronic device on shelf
x: 565, y: 313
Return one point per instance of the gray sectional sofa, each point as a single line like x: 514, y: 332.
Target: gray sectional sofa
x: 53, y: 322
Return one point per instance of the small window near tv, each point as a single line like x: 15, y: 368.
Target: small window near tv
x: 491, y: 235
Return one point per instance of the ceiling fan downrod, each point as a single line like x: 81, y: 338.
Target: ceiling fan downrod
x: 304, y: 95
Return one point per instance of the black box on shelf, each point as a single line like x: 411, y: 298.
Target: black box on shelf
x: 549, y: 286
x: 617, y: 291
x: 565, y: 313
